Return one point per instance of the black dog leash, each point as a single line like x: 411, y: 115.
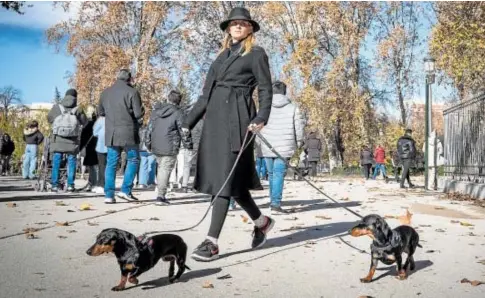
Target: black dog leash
x: 244, y: 146
x: 263, y: 139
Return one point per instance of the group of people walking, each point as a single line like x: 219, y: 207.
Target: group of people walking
x: 402, y: 158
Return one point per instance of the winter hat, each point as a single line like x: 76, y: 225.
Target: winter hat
x: 239, y: 14
x: 71, y: 92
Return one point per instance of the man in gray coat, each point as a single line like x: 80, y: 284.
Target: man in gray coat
x: 285, y: 132
x: 123, y: 110
x: 65, y: 137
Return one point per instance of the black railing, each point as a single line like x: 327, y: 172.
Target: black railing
x: 464, y: 144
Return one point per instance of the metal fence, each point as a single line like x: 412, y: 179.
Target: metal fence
x: 464, y: 144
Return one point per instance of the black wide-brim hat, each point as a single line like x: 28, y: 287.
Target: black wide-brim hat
x: 239, y: 14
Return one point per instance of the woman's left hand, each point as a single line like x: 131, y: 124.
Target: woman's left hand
x: 256, y: 127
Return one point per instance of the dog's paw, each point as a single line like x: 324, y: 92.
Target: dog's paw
x: 117, y: 288
x: 365, y: 280
x: 133, y: 280
x: 402, y: 275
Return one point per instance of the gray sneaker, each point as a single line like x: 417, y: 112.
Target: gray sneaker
x: 127, y: 197
x: 109, y: 200
x: 259, y: 233
x: 278, y: 211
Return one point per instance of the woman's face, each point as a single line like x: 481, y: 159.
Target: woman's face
x: 239, y: 30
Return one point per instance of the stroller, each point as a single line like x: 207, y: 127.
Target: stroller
x: 45, y: 170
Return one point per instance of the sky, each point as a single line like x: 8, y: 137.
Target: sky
x: 28, y: 63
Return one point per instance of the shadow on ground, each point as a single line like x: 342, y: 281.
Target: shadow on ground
x: 313, y: 233
x: 392, y: 271
x: 187, y: 276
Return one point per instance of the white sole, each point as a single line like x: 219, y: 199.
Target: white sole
x: 203, y: 259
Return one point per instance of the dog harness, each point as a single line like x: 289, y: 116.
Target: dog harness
x: 379, y: 250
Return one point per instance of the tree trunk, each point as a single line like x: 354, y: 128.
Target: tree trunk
x: 334, y: 157
x: 402, y: 107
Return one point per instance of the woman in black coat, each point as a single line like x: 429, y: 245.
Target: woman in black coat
x: 88, y: 149
x: 230, y: 111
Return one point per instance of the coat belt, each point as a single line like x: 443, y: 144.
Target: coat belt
x: 234, y: 112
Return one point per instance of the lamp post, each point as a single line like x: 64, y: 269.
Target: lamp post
x: 430, y: 77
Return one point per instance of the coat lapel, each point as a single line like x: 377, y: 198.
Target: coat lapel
x: 226, y: 64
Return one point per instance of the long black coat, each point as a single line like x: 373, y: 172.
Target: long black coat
x: 229, y: 109
x: 88, y: 144
x: 123, y: 109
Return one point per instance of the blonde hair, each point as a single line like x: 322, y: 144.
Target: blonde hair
x: 247, y: 43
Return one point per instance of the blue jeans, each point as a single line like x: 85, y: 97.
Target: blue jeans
x: 71, y: 168
x: 261, y: 167
x: 30, y: 161
x: 376, y: 169
x: 276, y: 176
x: 146, y: 173
x: 132, y: 160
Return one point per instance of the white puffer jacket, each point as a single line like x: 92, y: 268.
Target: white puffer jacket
x: 285, y: 127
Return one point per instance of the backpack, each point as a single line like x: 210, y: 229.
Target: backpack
x: 66, y: 124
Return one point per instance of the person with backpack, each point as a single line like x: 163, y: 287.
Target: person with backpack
x: 32, y: 138
x: 67, y: 121
x: 406, y: 147
x: 7, y: 147
x: 121, y: 105
x: 163, y: 138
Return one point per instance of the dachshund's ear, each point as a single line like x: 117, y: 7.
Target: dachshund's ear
x: 383, y: 226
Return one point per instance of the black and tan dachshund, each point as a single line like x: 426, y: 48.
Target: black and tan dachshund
x: 138, y: 255
x: 387, y: 245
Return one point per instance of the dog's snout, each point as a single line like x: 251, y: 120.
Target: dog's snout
x: 89, y: 251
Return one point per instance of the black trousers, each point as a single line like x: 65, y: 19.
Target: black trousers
x: 406, y: 164
x: 397, y: 172
x: 221, y: 206
x: 313, y: 168
x: 367, y: 169
x: 101, y: 168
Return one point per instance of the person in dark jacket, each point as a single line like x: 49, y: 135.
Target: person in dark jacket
x: 88, y: 148
x: 123, y: 110
x: 366, y: 161
x: 396, y: 164
x: 69, y: 146
x: 164, y: 135
x: 33, y: 138
x: 146, y: 170
x: 406, y: 147
x: 313, y: 148
x: 230, y: 111
x: 7, y: 147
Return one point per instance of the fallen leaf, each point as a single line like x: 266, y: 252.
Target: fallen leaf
x: 71, y: 231
x: 110, y: 211
x: 39, y: 273
x: 62, y: 223
x: 466, y: 224
x: 311, y: 242
x: 471, y: 234
x: 481, y: 262
x: 227, y: 276
x: 323, y: 217
x: 208, y: 285
x: 431, y: 251
x: 345, y: 199
x: 425, y: 226
x: 30, y: 230
x: 61, y: 237
x: 455, y: 221
x: 473, y: 283
x: 406, y: 219
x: 366, y: 297
x: 11, y: 205
x: 39, y: 289
x: 60, y: 203
x: 69, y: 210
x: 136, y: 219
x: 85, y: 207
x: 291, y: 218
x: 92, y: 223
x: 154, y: 218
x: 440, y: 230
x: 439, y: 208
x: 244, y: 218
x: 31, y: 236
x: 41, y: 223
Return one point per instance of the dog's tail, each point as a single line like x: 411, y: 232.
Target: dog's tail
x: 187, y: 267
